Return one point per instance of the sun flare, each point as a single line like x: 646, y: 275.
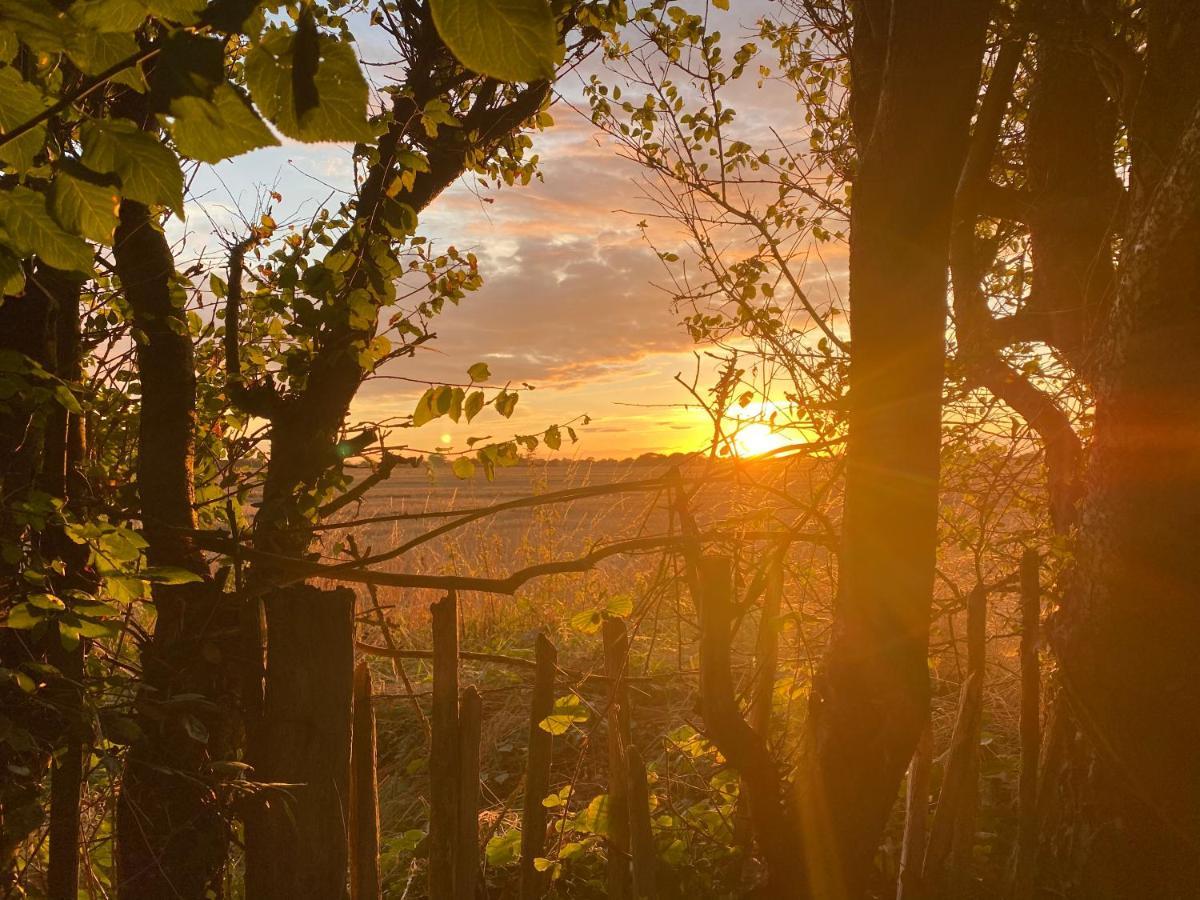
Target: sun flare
x: 756, y: 439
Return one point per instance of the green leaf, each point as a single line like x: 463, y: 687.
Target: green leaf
x: 12, y: 274
x: 553, y: 437
x: 83, y: 204
x: 341, y: 110
x: 184, y: 12
x: 566, y: 712
x: 594, y: 819
x: 510, y: 40
x: 23, y: 617
x: 20, y: 102
x: 217, y: 129
x: 94, y: 51
x: 109, y: 16
x: 149, y: 172
x: 473, y: 404
x: 189, y: 65
x: 479, y: 372
x: 67, y: 400
x: 619, y: 606
x: 504, y: 848
x: 37, y: 23
x: 463, y: 467
x: 424, y: 411
x: 586, y: 622
x: 506, y: 403
x: 170, y: 575
x: 29, y: 227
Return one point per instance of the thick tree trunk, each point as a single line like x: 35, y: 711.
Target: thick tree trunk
x: 305, y: 425
x: 870, y: 700
x: 1125, y: 634
x: 171, y: 837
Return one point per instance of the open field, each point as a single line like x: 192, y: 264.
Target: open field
x: 693, y: 791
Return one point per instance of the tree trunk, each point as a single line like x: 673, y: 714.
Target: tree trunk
x: 870, y: 699
x: 1125, y: 635
x: 775, y: 828
x: 171, y: 837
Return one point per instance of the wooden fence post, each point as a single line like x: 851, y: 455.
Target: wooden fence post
x: 641, y: 833
x: 364, y: 794
x: 947, y: 867
x: 466, y: 845
x: 616, y: 651
x: 1031, y: 728
x: 537, y: 770
x: 443, y: 748
x: 916, y: 818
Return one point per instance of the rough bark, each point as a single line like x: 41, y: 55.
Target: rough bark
x: 1125, y: 633
x: 306, y: 424
x: 869, y: 702
x: 171, y: 837
x: 775, y: 827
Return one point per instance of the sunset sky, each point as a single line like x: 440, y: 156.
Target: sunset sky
x: 568, y: 303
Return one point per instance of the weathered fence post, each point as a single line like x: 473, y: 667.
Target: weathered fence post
x: 1031, y: 728
x: 443, y: 748
x: 916, y: 818
x: 300, y: 841
x: 466, y: 844
x: 641, y: 833
x: 537, y: 770
x: 616, y: 651
x: 364, y: 793
x: 947, y: 867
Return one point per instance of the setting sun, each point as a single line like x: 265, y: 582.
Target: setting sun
x: 756, y: 439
